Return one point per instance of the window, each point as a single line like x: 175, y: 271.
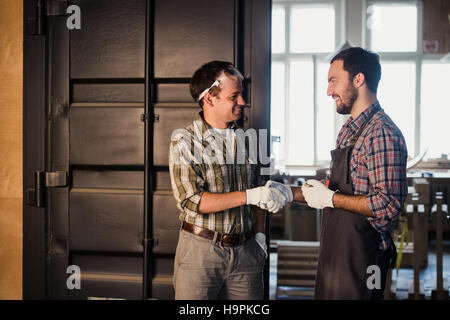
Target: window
x: 319, y: 24
x: 326, y: 115
x: 393, y: 27
x: 305, y: 35
x: 396, y: 93
x: 278, y: 31
x: 412, y: 84
x: 299, y: 82
x: 434, y: 109
x: 397, y: 45
x: 301, y: 113
x: 277, y: 114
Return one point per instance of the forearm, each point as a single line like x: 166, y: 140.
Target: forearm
x: 298, y: 194
x: 214, y: 202
x: 356, y: 204
x: 260, y: 216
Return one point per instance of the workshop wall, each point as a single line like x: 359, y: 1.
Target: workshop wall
x: 436, y: 26
x: 11, y: 36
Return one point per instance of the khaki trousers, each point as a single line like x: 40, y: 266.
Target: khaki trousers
x: 204, y: 270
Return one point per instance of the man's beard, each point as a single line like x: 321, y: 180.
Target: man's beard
x: 347, y: 106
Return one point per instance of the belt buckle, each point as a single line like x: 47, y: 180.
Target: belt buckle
x: 219, y: 239
x: 241, y: 238
x: 229, y: 243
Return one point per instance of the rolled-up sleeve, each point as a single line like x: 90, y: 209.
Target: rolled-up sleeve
x: 386, y: 163
x: 186, y: 177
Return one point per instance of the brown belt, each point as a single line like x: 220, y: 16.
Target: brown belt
x: 227, y: 240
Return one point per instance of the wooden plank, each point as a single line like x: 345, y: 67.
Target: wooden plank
x: 298, y: 249
x: 298, y: 256
x: 297, y: 268
x: 296, y: 293
x: 297, y: 264
x: 11, y: 156
x: 296, y: 272
x: 287, y: 243
x: 296, y: 282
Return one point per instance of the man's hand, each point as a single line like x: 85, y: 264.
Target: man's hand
x: 261, y: 240
x: 284, y: 189
x: 317, y: 195
x: 266, y: 198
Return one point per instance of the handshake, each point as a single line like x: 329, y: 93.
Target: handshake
x: 272, y: 197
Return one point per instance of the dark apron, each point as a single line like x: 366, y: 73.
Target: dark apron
x: 348, y: 243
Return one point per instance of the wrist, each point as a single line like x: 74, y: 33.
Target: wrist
x: 244, y: 197
x: 333, y: 199
x: 290, y: 193
x: 252, y: 196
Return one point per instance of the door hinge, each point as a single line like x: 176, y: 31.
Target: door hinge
x: 42, y: 180
x: 153, y: 117
x: 37, y: 25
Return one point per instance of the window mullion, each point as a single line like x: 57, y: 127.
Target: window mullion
x: 419, y: 58
x: 287, y: 28
x: 417, y: 105
x: 287, y: 49
x: 314, y: 58
x: 287, y: 58
x: 286, y: 110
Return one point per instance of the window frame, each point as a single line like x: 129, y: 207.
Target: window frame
x: 341, y: 34
x: 406, y: 56
x: 287, y: 57
x: 418, y: 58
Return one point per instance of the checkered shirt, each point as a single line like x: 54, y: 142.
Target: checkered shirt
x: 196, y: 165
x: 378, y: 168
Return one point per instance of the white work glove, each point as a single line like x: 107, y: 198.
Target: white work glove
x: 261, y: 240
x: 266, y: 198
x: 284, y: 189
x: 317, y: 195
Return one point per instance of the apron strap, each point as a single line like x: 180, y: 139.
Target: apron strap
x: 355, y: 138
x: 363, y: 126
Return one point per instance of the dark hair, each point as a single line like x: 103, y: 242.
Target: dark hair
x: 358, y: 60
x: 205, y: 76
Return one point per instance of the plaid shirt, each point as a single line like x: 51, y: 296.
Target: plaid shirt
x: 197, y: 164
x: 378, y: 168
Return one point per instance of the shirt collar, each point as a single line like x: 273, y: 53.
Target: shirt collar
x: 203, y: 130
x: 355, y: 124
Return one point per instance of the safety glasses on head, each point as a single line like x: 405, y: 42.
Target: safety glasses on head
x: 215, y: 84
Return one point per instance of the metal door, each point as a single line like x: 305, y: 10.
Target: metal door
x: 100, y: 104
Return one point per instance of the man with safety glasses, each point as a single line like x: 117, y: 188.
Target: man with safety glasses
x: 222, y: 249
